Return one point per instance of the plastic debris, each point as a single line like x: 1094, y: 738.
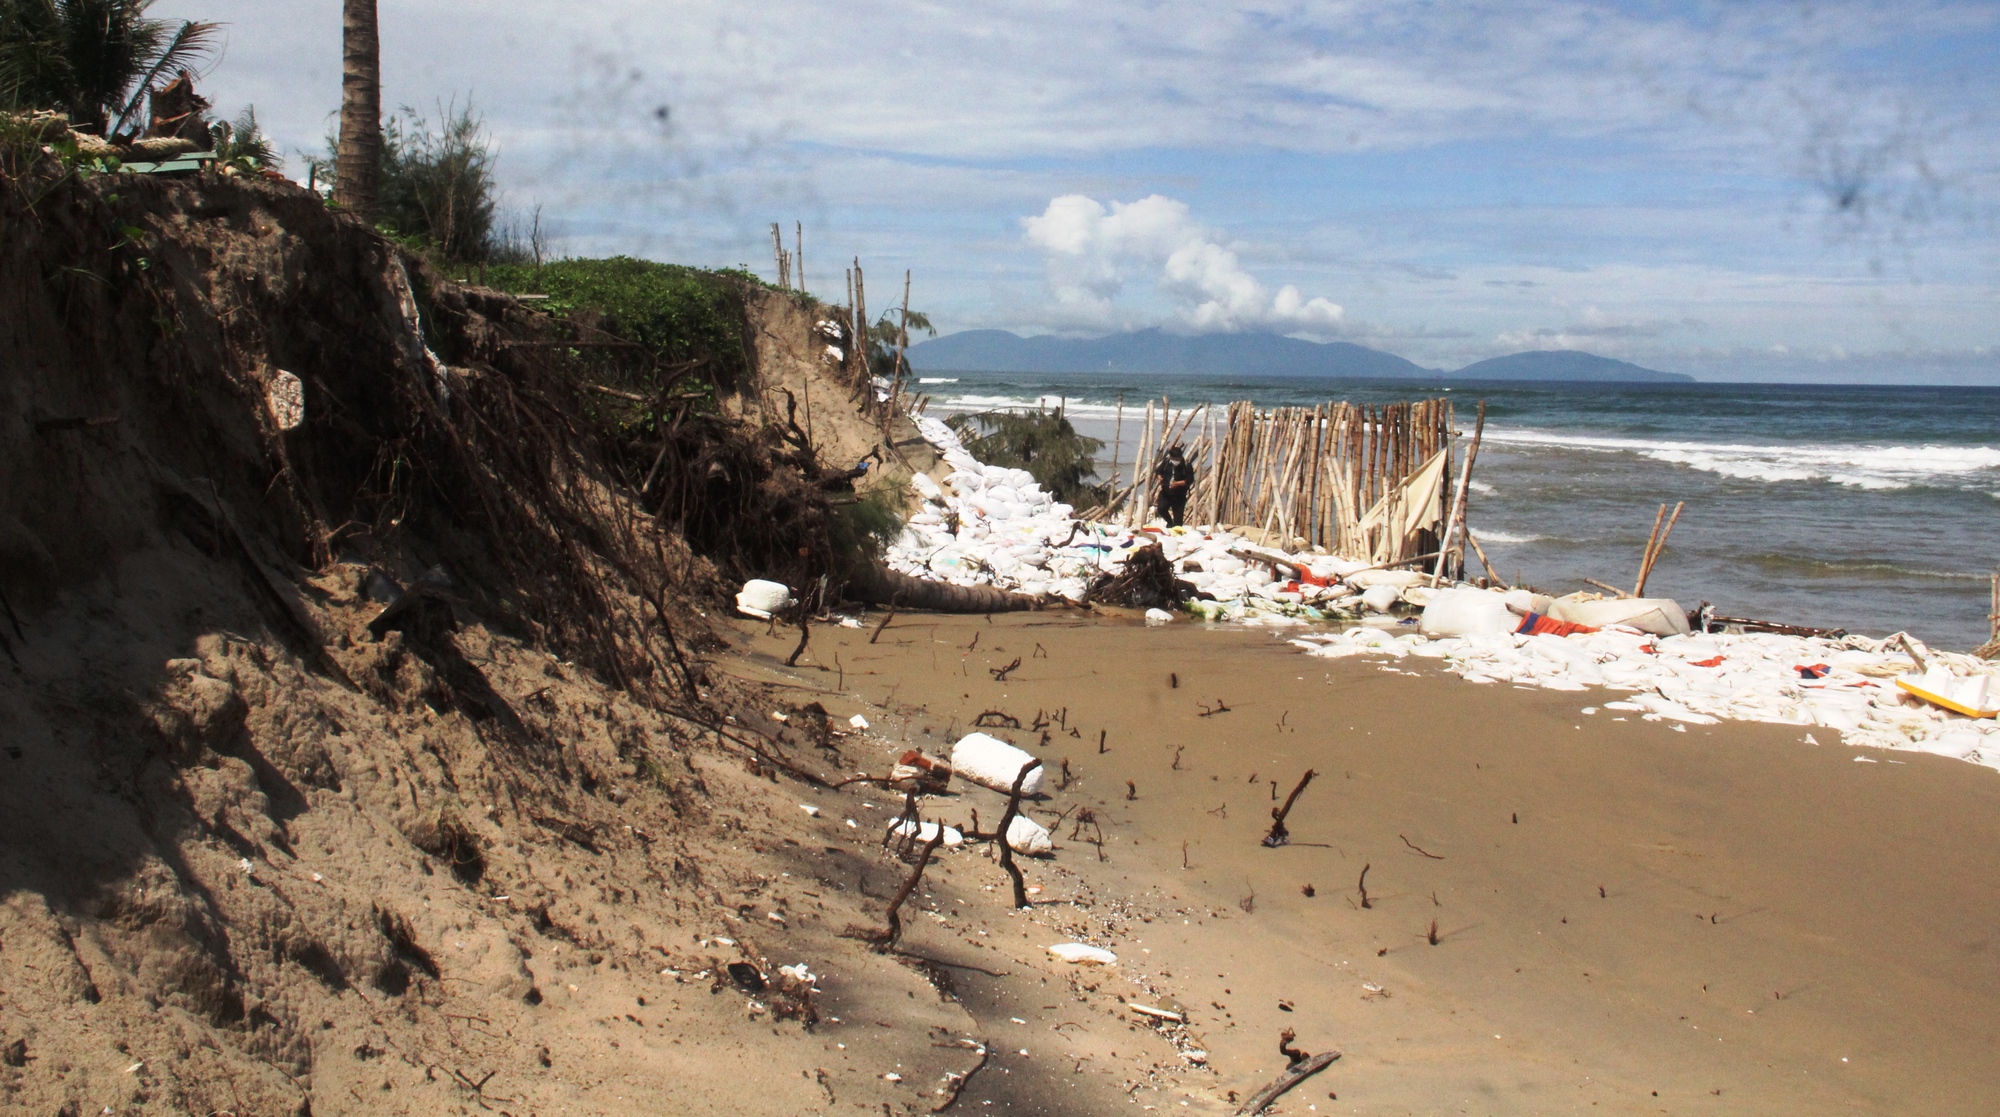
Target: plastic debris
x: 1083, y: 954
x: 858, y: 722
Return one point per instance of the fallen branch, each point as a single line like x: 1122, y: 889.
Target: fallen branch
x: 1007, y: 820
x: 1612, y: 589
x: 805, y: 635
x: 877, y: 634
x: 1420, y: 849
x: 954, y: 1084
x: 1303, y: 1066
x: 1206, y: 711
x: 1279, y: 835
x: 1000, y: 673
x: 1000, y: 720
x: 883, y: 940
x: 1363, y: 886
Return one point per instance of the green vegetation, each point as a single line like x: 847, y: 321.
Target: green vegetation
x: 677, y: 313
x: 241, y: 143
x: 1041, y: 442
x: 96, y: 60
x: 859, y: 532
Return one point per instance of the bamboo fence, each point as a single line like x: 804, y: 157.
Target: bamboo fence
x: 1308, y: 475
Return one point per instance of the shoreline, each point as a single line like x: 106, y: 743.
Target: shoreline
x: 1847, y: 905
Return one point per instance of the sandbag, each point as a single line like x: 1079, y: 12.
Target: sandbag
x: 1380, y: 598
x: 1026, y: 835
x: 1660, y: 616
x: 1398, y: 579
x: 928, y: 830
x: 759, y: 598
x: 993, y: 763
x: 1467, y: 612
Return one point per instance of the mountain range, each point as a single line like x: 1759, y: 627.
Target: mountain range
x: 1258, y: 354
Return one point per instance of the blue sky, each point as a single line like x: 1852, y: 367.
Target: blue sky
x: 1734, y: 190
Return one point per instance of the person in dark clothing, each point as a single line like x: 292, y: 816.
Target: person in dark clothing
x: 1176, y: 478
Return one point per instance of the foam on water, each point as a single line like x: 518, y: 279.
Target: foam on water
x: 1857, y: 465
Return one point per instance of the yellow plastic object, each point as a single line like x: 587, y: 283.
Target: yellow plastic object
x: 1934, y: 698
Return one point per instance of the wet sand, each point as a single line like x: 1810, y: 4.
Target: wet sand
x: 1630, y: 918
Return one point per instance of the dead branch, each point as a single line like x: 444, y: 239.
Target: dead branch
x: 1000, y: 673
x: 1279, y: 835
x: 884, y: 939
x: 1000, y: 720
x: 1362, y: 885
x: 1006, y: 821
x: 1302, y: 1067
x: 877, y: 634
x: 1420, y: 849
x: 1219, y: 708
x: 954, y: 1084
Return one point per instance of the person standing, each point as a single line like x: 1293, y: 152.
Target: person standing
x: 1176, y: 479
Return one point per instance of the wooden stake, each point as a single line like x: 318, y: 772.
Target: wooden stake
x: 1653, y: 552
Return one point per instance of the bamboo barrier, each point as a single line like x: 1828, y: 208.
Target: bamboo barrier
x: 1336, y: 476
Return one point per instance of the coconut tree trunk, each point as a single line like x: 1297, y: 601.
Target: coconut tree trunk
x: 882, y: 586
x: 358, y: 160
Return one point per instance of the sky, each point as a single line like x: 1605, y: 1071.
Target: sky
x: 1737, y: 190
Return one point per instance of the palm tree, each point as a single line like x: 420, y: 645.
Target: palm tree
x: 358, y: 160
x: 96, y: 60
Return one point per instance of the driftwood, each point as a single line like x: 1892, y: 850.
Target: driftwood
x: 1279, y: 835
x: 1303, y: 1066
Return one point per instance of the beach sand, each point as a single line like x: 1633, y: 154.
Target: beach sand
x: 1631, y: 917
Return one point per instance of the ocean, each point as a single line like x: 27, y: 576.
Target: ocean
x: 1871, y: 509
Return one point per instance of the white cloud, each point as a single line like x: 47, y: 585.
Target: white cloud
x: 1092, y: 251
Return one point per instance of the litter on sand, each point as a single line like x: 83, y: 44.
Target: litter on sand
x: 1083, y: 954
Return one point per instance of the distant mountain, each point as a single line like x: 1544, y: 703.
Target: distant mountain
x: 1565, y: 364
x: 1155, y: 351
x: 1158, y: 352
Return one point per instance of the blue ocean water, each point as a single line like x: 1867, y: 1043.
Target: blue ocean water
x: 1866, y: 508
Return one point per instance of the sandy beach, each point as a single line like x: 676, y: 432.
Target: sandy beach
x: 1629, y: 917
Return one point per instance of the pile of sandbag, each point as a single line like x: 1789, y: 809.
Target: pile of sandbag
x: 1889, y: 693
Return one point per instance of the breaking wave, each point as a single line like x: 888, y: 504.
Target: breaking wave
x: 1855, y: 465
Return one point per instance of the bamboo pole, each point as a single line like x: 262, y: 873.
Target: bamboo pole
x: 1456, y: 517
x: 1653, y: 551
x: 1117, y: 441
x: 799, y: 252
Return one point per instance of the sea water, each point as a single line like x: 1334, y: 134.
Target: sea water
x: 1866, y: 508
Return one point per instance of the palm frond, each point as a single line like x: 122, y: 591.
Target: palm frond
x: 189, y: 45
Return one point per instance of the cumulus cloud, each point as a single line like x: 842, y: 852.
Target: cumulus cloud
x: 1093, y: 251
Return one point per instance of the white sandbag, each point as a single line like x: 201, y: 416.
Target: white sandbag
x: 759, y: 598
x: 1468, y: 612
x: 1380, y: 598
x: 1028, y: 836
x: 926, y: 488
x: 1529, y: 601
x: 992, y: 762
x: 1397, y: 579
x: 1083, y: 954
x: 1660, y: 616
x: 926, y: 831
x: 1158, y: 616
